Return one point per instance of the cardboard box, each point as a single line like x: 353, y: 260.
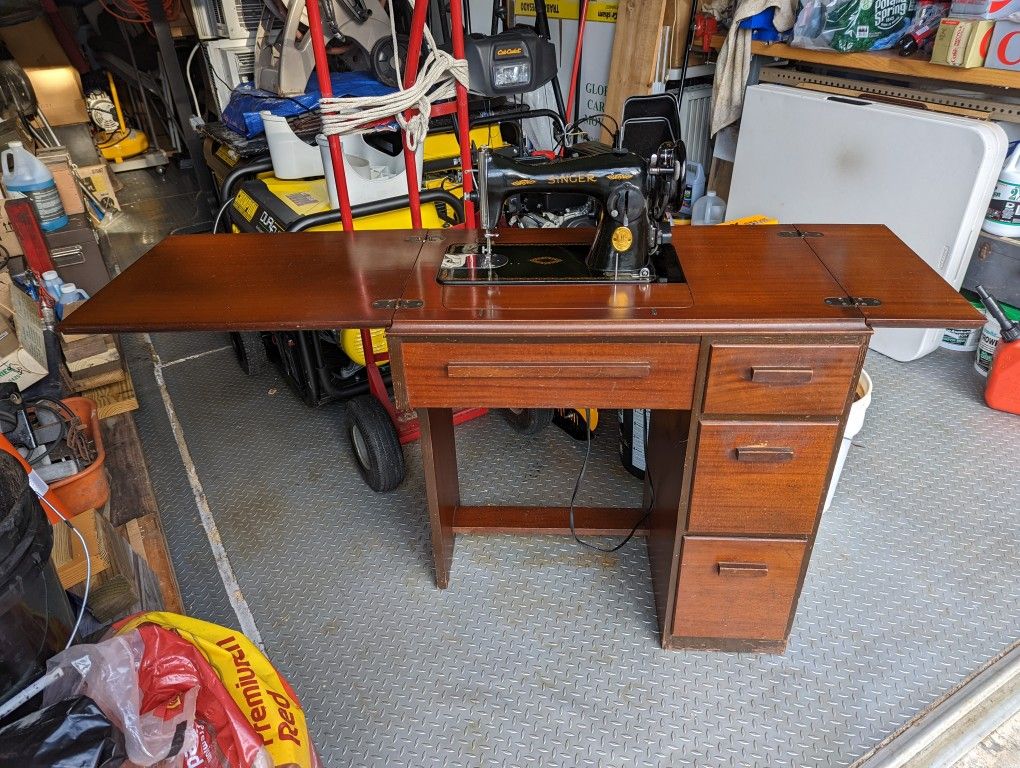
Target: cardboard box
x: 962, y: 42
x: 99, y: 182
x: 33, y: 44
x: 59, y: 162
x: 27, y: 363
x: 8, y: 239
x: 58, y: 90
x: 984, y: 9
x: 1004, y: 50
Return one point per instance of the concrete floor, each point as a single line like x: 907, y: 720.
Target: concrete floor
x: 863, y: 675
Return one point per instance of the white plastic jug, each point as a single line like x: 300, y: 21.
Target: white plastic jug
x: 711, y: 209
x: 1003, y: 217
x: 25, y: 173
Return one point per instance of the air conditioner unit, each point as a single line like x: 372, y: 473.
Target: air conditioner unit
x: 231, y: 19
x: 229, y: 63
x: 696, y: 124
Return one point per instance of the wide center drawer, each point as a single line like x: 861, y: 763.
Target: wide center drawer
x: 547, y: 375
x: 773, y: 379
x: 760, y: 477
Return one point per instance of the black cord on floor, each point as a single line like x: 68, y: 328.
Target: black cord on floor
x: 580, y: 478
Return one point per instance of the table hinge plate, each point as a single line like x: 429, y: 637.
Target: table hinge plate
x: 853, y: 301
x: 398, y: 304
x: 787, y: 233
x: 425, y: 239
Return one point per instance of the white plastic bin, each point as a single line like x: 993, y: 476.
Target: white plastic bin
x: 371, y: 174
x: 854, y: 423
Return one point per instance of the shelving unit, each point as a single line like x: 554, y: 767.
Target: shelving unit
x: 886, y: 63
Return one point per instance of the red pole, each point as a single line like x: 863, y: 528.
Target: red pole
x: 410, y: 76
x: 336, y: 152
x: 575, y: 72
x: 463, y: 127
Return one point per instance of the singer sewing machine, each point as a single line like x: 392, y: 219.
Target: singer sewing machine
x: 632, y: 239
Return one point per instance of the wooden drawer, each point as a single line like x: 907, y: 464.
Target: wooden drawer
x: 779, y: 379
x: 516, y: 375
x: 760, y: 477
x: 737, y: 588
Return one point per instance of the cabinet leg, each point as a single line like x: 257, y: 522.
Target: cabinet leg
x: 439, y: 456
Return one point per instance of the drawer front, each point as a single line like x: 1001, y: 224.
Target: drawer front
x: 515, y: 375
x: 779, y: 379
x: 760, y: 477
x: 737, y: 588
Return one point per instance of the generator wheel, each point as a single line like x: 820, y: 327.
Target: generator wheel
x: 375, y: 443
x: 383, y: 61
x: 250, y: 351
x: 528, y: 421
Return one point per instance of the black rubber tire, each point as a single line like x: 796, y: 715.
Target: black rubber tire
x: 528, y: 421
x: 375, y: 443
x: 381, y: 57
x: 250, y: 351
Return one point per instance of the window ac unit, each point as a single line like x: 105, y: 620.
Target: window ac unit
x: 229, y: 63
x: 231, y: 19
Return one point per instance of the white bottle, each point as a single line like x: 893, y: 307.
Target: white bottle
x: 711, y: 209
x: 53, y: 283
x: 986, y: 346
x: 1003, y: 216
x: 25, y: 173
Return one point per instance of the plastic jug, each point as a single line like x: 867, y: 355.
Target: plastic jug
x: 25, y: 173
x: 53, y: 283
x: 694, y: 187
x: 1003, y: 216
x: 711, y: 209
x: 69, y: 294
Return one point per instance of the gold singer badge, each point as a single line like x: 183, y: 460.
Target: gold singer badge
x: 622, y: 238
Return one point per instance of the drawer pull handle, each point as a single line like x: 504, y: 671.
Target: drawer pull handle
x: 551, y: 370
x: 785, y: 376
x: 743, y: 570
x: 756, y: 455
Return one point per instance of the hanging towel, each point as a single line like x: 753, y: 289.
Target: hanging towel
x: 734, y: 63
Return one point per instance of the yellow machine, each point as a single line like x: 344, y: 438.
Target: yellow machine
x: 117, y: 142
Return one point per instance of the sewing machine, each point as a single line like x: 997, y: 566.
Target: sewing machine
x: 632, y: 239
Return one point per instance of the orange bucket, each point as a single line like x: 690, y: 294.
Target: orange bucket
x: 90, y: 488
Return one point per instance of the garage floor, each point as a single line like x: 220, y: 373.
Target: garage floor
x: 540, y: 651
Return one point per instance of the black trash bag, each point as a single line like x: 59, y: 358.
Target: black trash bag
x: 73, y: 733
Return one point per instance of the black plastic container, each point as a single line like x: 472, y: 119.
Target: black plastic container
x: 35, y: 616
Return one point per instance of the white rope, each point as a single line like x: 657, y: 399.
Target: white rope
x: 437, y: 81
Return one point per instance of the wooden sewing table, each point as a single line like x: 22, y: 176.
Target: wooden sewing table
x: 749, y: 368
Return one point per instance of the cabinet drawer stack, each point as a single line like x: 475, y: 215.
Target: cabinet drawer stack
x: 770, y: 423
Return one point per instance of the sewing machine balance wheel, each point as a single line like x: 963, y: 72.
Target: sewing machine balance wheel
x: 375, y: 443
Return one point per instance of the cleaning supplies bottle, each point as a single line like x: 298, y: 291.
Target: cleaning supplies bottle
x: 69, y: 294
x: 711, y: 209
x: 53, y: 283
x: 1002, y: 391
x: 694, y: 187
x: 1003, y: 216
x: 25, y: 173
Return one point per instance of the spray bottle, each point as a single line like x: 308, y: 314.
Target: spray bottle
x: 1002, y: 391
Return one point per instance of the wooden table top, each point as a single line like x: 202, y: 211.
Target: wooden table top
x: 737, y: 278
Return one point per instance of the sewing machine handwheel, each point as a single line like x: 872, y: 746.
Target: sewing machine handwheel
x: 382, y: 60
x: 250, y: 351
x: 375, y: 443
x: 528, y: 421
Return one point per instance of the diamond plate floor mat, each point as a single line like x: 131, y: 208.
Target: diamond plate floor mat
x: 544, y: 653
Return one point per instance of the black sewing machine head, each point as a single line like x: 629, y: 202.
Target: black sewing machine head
x: 633, y: 195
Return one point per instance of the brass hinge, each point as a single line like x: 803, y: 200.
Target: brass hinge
x: 788, y: 233
x: 397, y: 304
x: 851, y: 302
x: 425, y: 239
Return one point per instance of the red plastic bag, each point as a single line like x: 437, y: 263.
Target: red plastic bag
x: 224, y: 737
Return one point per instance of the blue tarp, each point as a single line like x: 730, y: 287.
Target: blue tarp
x: 246, y: 101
